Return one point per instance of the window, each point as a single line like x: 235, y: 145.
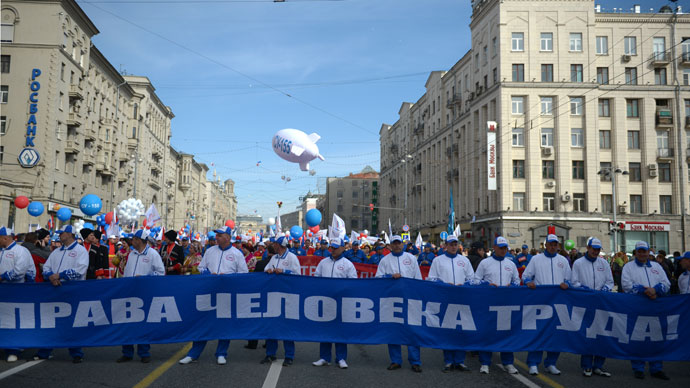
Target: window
x: 495, y: 75
x: 546, y: 41
x: 631, y: 75
x: 547, y: 105
x: 547, y: 137
x: 486, y: 55
x: 659, y: 48
x: 57, y: 160
x: 605, y: 171
x: 7, y: 32
x: 4, y: 94
x: 519, y: 202
x: 61, y: 98
x: 575, y: 41
x: 62, y: 72
x: 634, y: 140
x: 547, y: 73
x: 494, y: 46
x: 603, y: 75
x: 635, y: 170
x: 663, y: 143
x: 631, y: 45
x: 575, y: 73
x: 605, y: 140
x: 518, y: 41
x: 340, y: 208
x: 577, y: 137
x: 518, y: 105
x: 549, y: 202
x: 664, y: 172
x: 606, y: 203
x: 636, y: 204
x: 576, y: 106
x: 632, y: 108
x: 518, y: 137
x: 686, y: 75
x: 518, y: 168
x: 355, y: 194
x: 548, y: 170
x: 660, y: 76
x: 579, y: 203
x: 578, y: 169
x: 340, y: 194
x: 604, y: 107
x: 2, y: 153
x: 602, y: 45
x: 5, y: 64
x: 665, y: 204
x: 518, y: 72
x: 3, y: 125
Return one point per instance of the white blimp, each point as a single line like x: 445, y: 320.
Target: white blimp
x: 296, y: 146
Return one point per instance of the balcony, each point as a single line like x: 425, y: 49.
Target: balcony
x: 454, y: 100
x: 72, y: 147
x: 89, y: 159
x: 664, y: 154
x: 122, y: 175
x: 664, y: 118
x: 74, y: 119
x: 419, y: 129
x: 132, y: 143
x: 105, y: 121
x: 75, y: 93
x: 660, y: 58
x: 153, y: 182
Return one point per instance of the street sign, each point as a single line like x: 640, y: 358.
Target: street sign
x: 405, y: 236
x: 29, y: 157
x: 444, y: 236
x: 406, y: 228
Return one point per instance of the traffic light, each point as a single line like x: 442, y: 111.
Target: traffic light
x: 371, y: 206
x: 612, y: 225
x: 621, y: 225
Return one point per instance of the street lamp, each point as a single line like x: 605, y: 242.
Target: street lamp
x: 612, y: 174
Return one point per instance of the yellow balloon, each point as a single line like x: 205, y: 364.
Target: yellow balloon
x: 57, y: 207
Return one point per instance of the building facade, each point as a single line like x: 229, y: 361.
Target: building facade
x: 351, y: 198
x: 96, y: 131
x: 557, y: 108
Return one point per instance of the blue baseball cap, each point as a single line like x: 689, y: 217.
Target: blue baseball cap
x: 396, y: 238
x: 501, y: 242
x: 337, y: 242
x: 5, y: 231
x: 594, y: 243
x: 323, y: 241
x: 427, y: 245
x: 141, y: 233
x: 282, y: 241
x: 686, y: 255
x: 525, y: 246
x: 224, y: 230
x: 642, y: 245
x: 67, y: 229
x: 551, y: 238
x: 356, y: 242
x: 451, y: 238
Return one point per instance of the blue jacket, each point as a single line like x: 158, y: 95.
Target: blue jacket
x: 358, y: 257
x: 522, y: 260
x: 298, y: 251
x: 322, y: 253
x: 374, y: 259
x: 428, y: 256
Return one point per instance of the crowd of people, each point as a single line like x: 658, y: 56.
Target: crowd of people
x: 71, y: 256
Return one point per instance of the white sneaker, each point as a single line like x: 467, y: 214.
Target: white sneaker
x: 12, y: 358
x: 510, y: 368
x: 601, y: 372
x: 321, y: 362
x: 221, y: 360
x: 587, y: 372
x: 342, y: 364
x: 186, y: 360
x: 484, y: 369
x: 533, y: 370
x: 553, y: 370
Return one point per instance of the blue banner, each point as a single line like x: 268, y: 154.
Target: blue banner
x: 365, y: 311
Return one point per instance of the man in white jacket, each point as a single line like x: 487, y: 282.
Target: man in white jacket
x: 283, y: 262
x: 399, y: 264
x: 592, y: 272
x: 684, y: 278
x: 456, y: 269
x: 334, y: 266
x: 16, y: 265
x: 645, y: 277
x: 220, y: 259
x: 142, y: 261
x: 496, y: 271
x: 547, y: 268
x: 66, y: 264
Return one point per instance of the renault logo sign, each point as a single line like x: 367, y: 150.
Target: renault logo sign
x: 29, y: 157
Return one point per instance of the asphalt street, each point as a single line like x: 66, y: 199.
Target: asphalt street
x: 367, y: 369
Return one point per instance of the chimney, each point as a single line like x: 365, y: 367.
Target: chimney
x: 637, y: 8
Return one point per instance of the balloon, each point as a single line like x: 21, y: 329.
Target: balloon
x: 230, y: 224
x: 144, y: 223
x: 35, y: 209
x: 90, y: 204
x: 64, y: 214
x: 296, y: 231
x: 21, y: 202
x: 313, y: 217
x: 108, y: 218
x: 80, y: 224
x: 88, y: 225
x: 271, y: 221
x: 569, y: 244
x: 314, y: 229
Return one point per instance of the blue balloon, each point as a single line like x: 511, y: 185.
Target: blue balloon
x: 313, y: 217
x: 90, y: 204
x: 296, y: 231
x: 88, y: 225
x: 35, y: 209
x: 64, y: 214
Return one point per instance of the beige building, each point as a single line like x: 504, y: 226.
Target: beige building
x: 350, y: 198
x: 575, y: 93
x: 96, y: 132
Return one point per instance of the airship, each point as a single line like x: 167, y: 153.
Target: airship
x: 296, y: 146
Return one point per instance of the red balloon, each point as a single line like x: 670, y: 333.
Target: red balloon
x: 144, y: 223
x: 314, y: 229
x: 21, y: 202
x: 109, y: 218
x: 230, y: 224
